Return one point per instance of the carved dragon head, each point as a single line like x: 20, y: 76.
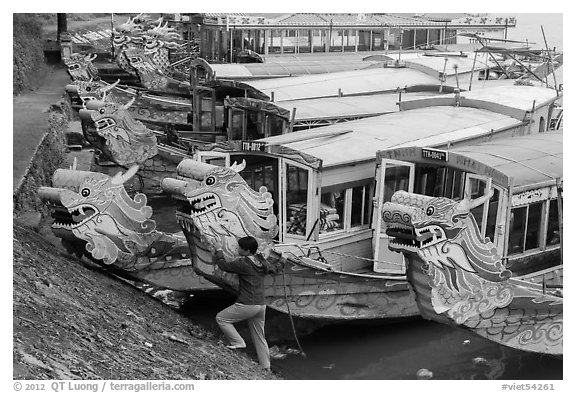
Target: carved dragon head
x: 121, y: 138
x: 90, y: 90
x: 222, y: 206
x: 95, y: 207
x: 95, y: 210
x: 442, y: 232
x: 80, y: 67
x: 460, y: 263
x: 151, y: 76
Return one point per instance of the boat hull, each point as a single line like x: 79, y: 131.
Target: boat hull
x: 312, y: 293
x: 527, y: 323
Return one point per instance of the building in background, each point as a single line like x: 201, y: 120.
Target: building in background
x: 229, y: 37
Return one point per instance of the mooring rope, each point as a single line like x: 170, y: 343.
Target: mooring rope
x: 290, y: 315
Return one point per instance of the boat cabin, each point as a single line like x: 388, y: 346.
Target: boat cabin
x: 232, y: 109
x: 322, y: 180
x: 523, y: 218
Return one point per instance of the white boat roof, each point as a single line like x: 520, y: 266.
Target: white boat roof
x: 430, y: 126
x: 358, y: 82
x: 346, y: 107
x: 528, y: 160
x: 515, y: 96
x: 435, y: 64
x: 265, y: 70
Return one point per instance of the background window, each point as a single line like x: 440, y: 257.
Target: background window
x: 296, y: 199
x: 361, y: 205
x: 553, y: 231
x: 517, y: 230
x: 332, y: 210
x: 533, y: 227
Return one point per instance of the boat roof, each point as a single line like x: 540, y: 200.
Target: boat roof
x: 522, y: 162
x: 510, y: 99
x: 528, y: 160
x: 347, y: 107
x: 270, y: 70
x: 435, y: 64
x: 358, y: 82
x: 359, y: 140
x: 514, y: 96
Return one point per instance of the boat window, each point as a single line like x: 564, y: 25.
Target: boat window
x: 361, y: 205
x: 296, y: 199
x: 275, y: 125
x: 477, y: 189
x: 206, y: 114
x: 542, y: 126
x: 332, y: 204
x: 492, y: 214
x: 439, y: 181
x: 525, y: 228
x: 254, y: 125
x: 534, y: 225
x: 517, y: 230
x: 236, y: 125
x: 396, y: 178
x: 553, y: 230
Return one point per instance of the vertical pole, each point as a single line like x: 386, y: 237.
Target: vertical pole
x: 112, y: 34
x: 551, y: 62
x: 560, y: 188
x: 371, y: 39
x: 472, y: 73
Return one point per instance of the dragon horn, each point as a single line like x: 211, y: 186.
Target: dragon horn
x: 238, y: 168
x: 106, y: 89
x: 468, y: 204
x: 129, y: 104
x: 120, y: 178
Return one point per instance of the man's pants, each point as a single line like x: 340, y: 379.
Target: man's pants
x: 255, y: 315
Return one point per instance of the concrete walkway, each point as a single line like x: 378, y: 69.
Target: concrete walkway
x: 30, y: 121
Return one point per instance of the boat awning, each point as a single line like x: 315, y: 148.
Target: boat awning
x: 266, y: 70
x: 253, y: 104
x: 521, y: 162
x: 347, y: 107
x: 369, y: 81
x: 529, y: 160
x: 433, y: 65
x: 520, y: 97
x: 367, y: 136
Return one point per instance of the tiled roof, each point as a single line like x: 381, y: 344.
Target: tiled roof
x: 347, y: 19
x: 351, y: 19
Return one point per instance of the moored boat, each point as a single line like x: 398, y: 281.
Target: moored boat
x: 96, y: 218
x: 318, y: 185
x: 480, y: 228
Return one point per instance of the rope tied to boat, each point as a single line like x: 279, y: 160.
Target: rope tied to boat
x: 290, y: 315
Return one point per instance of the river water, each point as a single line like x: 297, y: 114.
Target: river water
x: 394, y: 351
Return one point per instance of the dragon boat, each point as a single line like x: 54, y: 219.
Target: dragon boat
x: 480, y: 229
x: 311, y: 204
x: 94, y: 216
x: 159, y: 99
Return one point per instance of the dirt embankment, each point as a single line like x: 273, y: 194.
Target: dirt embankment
x: 73, y: 321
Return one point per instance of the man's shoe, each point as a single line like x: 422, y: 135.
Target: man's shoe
x: 236, y: 346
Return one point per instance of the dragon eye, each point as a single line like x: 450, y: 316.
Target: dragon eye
x: 429, y: 211
x: 102, y: 110
x: 210, y: 180
x: 88, y: 88
x: 85, y: 192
